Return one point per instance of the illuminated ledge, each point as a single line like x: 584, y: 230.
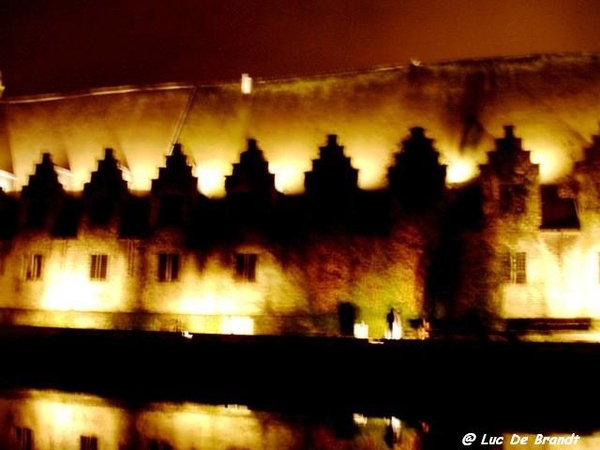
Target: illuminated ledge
x: 440, y: 65
x: 98, y: 91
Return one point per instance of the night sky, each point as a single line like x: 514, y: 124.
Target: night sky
x: 61, y: 45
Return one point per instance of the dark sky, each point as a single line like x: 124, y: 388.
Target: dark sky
x: 48, y: 46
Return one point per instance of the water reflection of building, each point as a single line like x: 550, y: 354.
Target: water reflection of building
x: 46, y: 420
x: 131, y: 240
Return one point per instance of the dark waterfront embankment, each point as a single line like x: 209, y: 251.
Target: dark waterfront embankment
x: 509, y: 383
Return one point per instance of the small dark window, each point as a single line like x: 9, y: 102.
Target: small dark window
x: 23, y: 438
x: 513, y: 268
x: 98, y: 267
x: 88, y: 443
x: 520, y: 268
x: 245, y: 266
x: 33, y: 267
x: 168, y: 267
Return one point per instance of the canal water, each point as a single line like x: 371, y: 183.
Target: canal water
x: 45, y: 419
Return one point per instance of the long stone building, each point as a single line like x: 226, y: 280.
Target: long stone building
x: 462, y: 191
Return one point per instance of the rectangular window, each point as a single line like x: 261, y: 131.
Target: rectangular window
x: 131, y: 257
x: 520, y: 268
x: 33, y: 266
x: 88, y: 443
x: 514, y: 267
x: 245, y: 266
x: 98, y: 267
x: 168, y: 267
x: 23, y: 438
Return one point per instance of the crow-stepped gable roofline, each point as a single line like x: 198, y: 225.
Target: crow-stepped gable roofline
x: 552, y: 100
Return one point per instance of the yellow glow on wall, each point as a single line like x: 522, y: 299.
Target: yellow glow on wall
x: 574, y: 286
x: 372, y: 171
x: 211, y: 178
x: 210, y: 303
x: 218, y: 293
x: 563, y: 279
x: 67, y: 179
x: 289, y: 177
x: 7, y: 181
x: 237, y: 325
x: 460, y: 170
x: 126, y: 174
x: 66, y: 290
x: 554, y: 161
x: 361, y: 330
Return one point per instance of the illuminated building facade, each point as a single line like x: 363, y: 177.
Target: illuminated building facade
x: 292, y: 208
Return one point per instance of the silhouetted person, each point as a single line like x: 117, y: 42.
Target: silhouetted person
x: 394, y: 327
x: 390, y: 319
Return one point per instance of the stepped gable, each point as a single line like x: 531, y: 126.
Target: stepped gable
x: 107, y: 180
x: 176, y: 176
x: 508, y: 160
x: 587, y: 174
x: 105, y: 190
x: 511, y: 181
x: 552, y: 98
x: 44, y: 181
x: 174, y: 191
x: 42, y: 196
x: 332, y: 184
x: 417, y: 178
x: 332, y: 173
x: 251, y: 184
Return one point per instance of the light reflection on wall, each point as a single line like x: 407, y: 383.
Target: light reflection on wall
x: 70, y: 289
x: 460, y: 170
x: 289, y: 175
x: 246, y: 299
x: 7, y: 181
x: 211, y: 178
x: 237, y: 325
x: 555, y: 162
x: 562, y: 279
